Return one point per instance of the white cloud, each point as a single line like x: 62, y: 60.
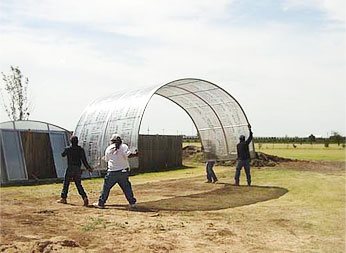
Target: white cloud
x: 334, y: 9
x: 117, y: 14
x: 280, y: 73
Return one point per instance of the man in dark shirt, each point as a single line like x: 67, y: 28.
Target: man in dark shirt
x: 75, y: 156
x: 243, y: 158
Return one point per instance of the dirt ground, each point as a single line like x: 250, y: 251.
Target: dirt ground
x: 177, y: 215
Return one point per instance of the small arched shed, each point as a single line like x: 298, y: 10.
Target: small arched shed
x: 217, y: 116
x: 31, y: 150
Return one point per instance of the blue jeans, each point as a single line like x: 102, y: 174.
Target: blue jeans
x: 122, y: 178
x: 73, y: 173
x: 210, y: 172
x: 240, y: 165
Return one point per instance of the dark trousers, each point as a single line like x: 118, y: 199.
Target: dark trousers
x: 73, y: 173
x: 122, y: 178
x: 240, y: 165
x: 211, y: 176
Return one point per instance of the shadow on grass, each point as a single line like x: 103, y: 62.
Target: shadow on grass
x: 134, y: 172
x: 228, y: 196
x: 138, y: 208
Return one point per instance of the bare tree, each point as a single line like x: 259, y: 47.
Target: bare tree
x: 16, y: 104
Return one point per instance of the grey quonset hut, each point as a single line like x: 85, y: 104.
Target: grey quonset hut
x: 31, y: 150
x: 218, y: 117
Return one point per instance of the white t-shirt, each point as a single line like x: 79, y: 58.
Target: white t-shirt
x: 117, y: 159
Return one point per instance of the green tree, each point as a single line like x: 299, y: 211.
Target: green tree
x: 16, y: 102
x: 336, y: 138
x: 312, y: 138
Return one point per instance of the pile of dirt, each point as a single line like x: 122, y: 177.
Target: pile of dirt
x: 261, y: 160
x: 54, y: 244
x: 194, y: 154
x: 190, y: 150
x: 57, y: 244
x: 265, y: 160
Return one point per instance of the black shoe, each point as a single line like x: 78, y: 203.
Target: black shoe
x: 208, y: 182
x: 62, y: 201
x: 86, y: 201
x: 132, y: 207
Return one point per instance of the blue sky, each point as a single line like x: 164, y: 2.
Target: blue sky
x: 284, y: 61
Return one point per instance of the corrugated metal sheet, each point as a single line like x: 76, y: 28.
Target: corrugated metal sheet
x: 218, y: 117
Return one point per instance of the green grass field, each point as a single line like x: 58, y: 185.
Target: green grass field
x: 304, y: 151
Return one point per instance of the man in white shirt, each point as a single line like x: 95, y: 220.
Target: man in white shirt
x: 116, y: 156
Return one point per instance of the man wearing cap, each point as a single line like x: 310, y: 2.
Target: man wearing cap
x: 75, y: 157
x: 116, y: 156
x: 243, y: 158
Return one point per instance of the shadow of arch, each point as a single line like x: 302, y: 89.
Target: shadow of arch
x: 228, y: 196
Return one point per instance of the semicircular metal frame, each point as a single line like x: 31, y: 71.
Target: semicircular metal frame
x: 217, y: 116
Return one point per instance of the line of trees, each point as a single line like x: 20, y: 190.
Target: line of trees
x: 335, y: 138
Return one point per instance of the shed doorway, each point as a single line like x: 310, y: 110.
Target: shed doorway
x: 38, y: 155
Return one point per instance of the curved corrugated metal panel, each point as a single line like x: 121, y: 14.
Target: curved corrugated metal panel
x: 218, y: 117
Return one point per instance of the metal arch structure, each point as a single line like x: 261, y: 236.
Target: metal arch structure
x: 217, y: 116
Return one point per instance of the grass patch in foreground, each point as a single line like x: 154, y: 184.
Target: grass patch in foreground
x: 93, y: 223
x: 317, y: 198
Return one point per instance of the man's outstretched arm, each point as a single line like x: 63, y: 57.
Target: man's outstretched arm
x: 249, y: 139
